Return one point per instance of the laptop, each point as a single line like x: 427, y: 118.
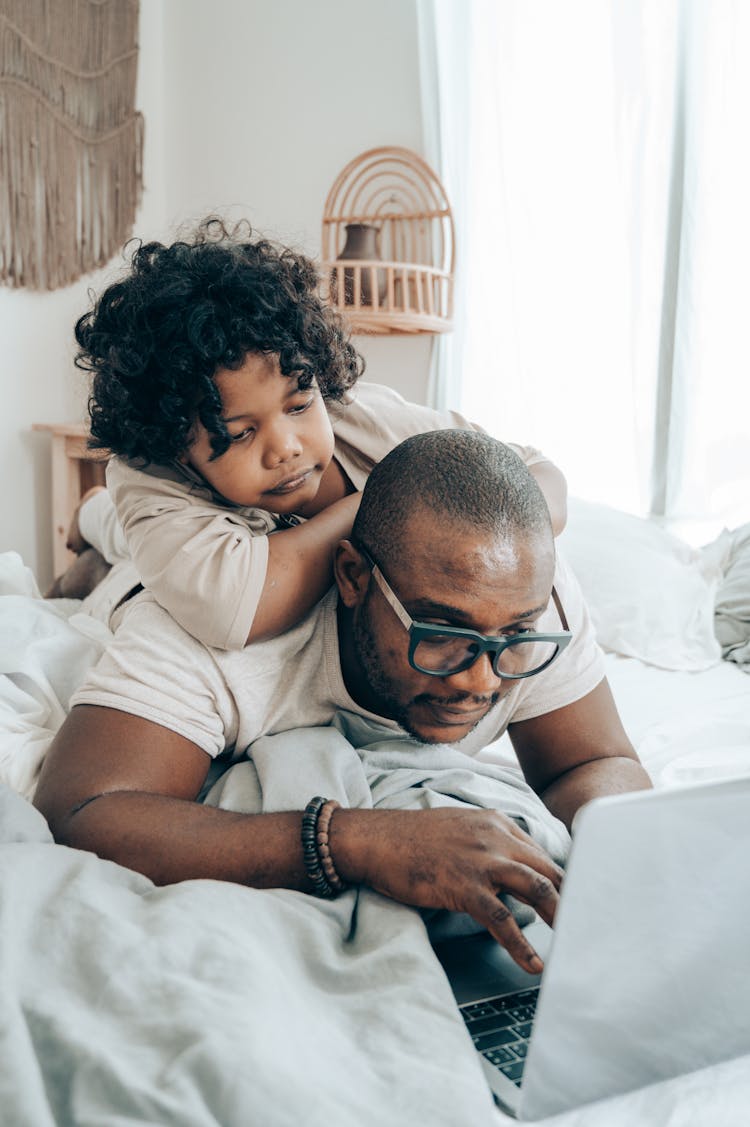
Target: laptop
x: 647, y: 972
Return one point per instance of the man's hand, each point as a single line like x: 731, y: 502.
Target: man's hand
x: 451, y: 858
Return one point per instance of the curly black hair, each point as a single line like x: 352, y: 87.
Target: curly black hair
x: 155, y: 340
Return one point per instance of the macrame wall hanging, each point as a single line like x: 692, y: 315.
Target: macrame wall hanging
x: 71, y: 143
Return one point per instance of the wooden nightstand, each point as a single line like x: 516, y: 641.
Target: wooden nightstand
x: 75, y: 469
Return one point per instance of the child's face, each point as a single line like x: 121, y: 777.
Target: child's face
x: 282, y: 440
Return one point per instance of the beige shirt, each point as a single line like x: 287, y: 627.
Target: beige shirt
x: 204, y: 559
x: 223, y: 701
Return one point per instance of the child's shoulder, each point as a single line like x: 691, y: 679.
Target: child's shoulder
x: 140, y: 494
x: 379, y: 410
x: 377, y: 418
x: 152, y: 480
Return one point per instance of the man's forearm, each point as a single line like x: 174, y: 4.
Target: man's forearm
x: 615, y: 775
x: 172, y: 839
x: 458, y: 859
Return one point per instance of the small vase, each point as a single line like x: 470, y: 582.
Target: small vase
x: 361, y: 244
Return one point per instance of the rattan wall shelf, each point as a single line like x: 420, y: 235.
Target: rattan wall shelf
x: 388, y: 245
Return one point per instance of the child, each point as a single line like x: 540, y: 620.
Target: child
x: 222, y: 385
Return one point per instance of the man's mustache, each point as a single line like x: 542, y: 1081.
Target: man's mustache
x: 456, y: 698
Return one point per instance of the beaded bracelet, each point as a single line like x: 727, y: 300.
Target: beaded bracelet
x: 316, y: 850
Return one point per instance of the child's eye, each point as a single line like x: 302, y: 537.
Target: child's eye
x: 299, y: 408
x: 242, y: 435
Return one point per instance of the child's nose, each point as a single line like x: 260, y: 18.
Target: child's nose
x: 282, y: 444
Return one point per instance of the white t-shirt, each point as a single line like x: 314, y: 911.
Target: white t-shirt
x: 225, y: 700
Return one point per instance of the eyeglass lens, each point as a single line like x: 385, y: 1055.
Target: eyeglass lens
x: 446, y: 653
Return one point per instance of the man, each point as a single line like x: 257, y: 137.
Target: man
x: 450, y: 620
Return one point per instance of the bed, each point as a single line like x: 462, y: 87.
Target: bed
x: 210, y: 1004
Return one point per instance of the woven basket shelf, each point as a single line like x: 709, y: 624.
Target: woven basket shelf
x: 388, y: 245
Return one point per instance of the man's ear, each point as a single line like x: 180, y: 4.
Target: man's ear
x: 352, y: 574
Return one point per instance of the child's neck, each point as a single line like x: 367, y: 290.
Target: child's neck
x: 334, y: 485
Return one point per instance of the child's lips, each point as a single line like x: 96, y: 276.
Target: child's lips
x: 291, y: 483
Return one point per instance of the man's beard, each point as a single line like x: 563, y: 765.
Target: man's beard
x: 386, y: 688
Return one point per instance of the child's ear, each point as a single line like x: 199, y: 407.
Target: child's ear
x: 351, y: 572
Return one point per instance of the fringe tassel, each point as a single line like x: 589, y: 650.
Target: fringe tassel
x: 71, y: 143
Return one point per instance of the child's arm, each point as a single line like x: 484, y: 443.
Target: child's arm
x: 378, y: 418
x: 223, y: 581
x: 300, y: 568
x: 553, y: 485
x: 550, y: 480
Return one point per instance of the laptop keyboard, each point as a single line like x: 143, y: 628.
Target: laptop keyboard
x: 500, y: 1029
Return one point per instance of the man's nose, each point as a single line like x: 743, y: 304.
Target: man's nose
x: 479, y: 679
x: 281, y: 444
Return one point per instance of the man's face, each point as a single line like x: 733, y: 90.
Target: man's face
x: 466, y: 580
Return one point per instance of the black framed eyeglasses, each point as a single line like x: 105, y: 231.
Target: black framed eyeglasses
x: 441, y: 651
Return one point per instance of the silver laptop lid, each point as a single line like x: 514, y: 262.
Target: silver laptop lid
x: 649, y: 974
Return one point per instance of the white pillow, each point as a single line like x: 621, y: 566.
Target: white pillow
x: 650, y: 595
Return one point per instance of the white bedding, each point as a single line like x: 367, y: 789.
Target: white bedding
x: 210, y: 1004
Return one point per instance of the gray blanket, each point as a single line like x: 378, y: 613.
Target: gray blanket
x: 363, y: 765
x: 207, y: 1004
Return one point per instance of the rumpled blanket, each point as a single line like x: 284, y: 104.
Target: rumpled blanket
x: 362, y: 764
x: 207, y: 1004
x: 731, y: 550
x: 46, y: 649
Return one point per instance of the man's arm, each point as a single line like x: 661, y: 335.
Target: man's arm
x: 125, y: 788
x: 578, y: 753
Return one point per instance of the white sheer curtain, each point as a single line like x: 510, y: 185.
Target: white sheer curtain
x: 597, y: 154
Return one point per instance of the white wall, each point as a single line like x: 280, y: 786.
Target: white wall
x: 267, y: 101
x: 38, y: 381
x: 252, y: 107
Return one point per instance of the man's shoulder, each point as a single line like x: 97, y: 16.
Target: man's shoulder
x: 314, y: 630
x: 142, y: 617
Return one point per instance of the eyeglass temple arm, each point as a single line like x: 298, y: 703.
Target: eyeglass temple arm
x: 560, y: 611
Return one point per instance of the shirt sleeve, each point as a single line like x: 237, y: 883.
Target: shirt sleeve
x: 203, y: 564
x: 155, y: 670
x: 99, y: 526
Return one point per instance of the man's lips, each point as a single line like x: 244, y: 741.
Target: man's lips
x: 289, y: 484
x: 455, y: 715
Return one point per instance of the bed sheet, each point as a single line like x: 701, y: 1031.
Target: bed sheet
x: 685, y: 726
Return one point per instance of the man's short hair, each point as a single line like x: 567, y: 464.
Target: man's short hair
x: 466, y: 478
